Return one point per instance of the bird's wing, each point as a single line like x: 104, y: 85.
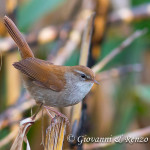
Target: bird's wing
x: 43, y: 73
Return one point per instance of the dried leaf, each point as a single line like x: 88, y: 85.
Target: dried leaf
x: 24, y: 128
x: 55, y: 134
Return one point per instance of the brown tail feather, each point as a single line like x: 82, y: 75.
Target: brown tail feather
x: 25, y: 50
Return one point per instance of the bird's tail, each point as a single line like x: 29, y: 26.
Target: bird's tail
x: 24, y: 48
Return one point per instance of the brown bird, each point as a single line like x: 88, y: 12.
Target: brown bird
x: 50, y: 85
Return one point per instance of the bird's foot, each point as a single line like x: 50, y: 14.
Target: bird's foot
x: 57, y: 114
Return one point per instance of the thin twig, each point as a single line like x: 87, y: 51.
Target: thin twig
x: 116, y: 72
x: 123, y: 138
x: 117, y: 50
x: 7, y: 117
x: 73, y: 40
x: 45, y: 35
x: 137, y: 13
x: 9, y: 137
x: 1, y: 60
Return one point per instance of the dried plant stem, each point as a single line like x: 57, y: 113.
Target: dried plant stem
x: 73, y: 40
x: 13, y: 134
x: 8, y: 117
x: 76, y: 110
x: 87, y: 35
x: 9, y: 137
x: 55, y: 134
x: 117, y: 72
x: 135, y: 134
x: 140, y: 12
x: 117, y: 50
x: 45, y: 35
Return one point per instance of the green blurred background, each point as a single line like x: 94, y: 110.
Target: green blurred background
x: 120, y: 104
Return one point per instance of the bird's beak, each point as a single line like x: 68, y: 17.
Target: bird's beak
x: 96, y: 82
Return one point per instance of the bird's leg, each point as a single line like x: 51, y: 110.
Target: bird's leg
x: 42, y: 142
x: 51, y: 116
x: 56, y: 112
x: 33, y: 117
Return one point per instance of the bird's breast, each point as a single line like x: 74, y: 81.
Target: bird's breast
x: 72, y: 93
x: 76, y: 91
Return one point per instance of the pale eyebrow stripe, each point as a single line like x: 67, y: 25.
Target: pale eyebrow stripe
x: 80, y: 72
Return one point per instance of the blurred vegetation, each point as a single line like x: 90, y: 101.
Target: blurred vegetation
x: 119, y: 105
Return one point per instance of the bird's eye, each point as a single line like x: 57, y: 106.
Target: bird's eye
x: 83, y: 76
